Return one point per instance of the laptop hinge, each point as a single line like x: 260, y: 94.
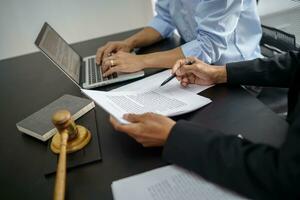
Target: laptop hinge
x: 82, y: 73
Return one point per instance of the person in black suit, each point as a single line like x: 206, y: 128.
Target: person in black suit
x: 257, y: 171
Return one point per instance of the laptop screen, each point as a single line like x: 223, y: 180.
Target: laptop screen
x: 59, y: 51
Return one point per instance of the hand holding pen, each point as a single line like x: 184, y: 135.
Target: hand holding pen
x: 194, y: 71
x: 178, y: 64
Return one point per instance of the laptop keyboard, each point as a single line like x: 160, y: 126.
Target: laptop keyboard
x: 95, y: 72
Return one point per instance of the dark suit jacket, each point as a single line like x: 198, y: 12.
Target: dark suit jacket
x: 255, y: 170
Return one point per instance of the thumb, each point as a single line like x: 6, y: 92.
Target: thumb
x: 133, y: 118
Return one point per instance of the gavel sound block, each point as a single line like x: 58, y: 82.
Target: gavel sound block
x: 70, y: 138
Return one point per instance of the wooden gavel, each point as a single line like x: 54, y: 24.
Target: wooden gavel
x: 70, y: 138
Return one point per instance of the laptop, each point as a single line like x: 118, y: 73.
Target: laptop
x: 82, y: 71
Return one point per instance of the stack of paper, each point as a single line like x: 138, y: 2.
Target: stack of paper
x: 171, y: 183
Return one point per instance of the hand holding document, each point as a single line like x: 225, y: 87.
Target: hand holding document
x: 165, y: 102
x: 169, y: 182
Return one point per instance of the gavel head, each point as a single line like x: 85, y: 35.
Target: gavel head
x: 63, y: 121
x: 78, y: 136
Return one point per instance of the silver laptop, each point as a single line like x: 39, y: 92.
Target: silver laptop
x: 82, y: 71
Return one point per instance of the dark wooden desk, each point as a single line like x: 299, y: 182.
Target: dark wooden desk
x: 27, y: 83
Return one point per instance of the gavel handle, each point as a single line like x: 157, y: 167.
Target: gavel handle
x: 60, y: 182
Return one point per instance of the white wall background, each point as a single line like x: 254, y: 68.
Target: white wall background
x: 78, y: 20
x: 267, y: 7
x: 75, y: 20
x: 281, y: 14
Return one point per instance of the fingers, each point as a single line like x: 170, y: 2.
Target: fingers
x: 134, y: 118
x: 113, y: 63
x: 138, y: 118
x: 110, y: 62
x: 99, y: 55
x: 187, y: 69
x: 109, y: 50
x: 187, y: 79
x: 105, y: 68
x: 184, y: 70
x: 126, y: 128
x: 184, y: 66
x: 110, y: 65
x: 133, y: 130
x: 177, y: 65
x: 115, y: 123
x: 179, y: 78
x: 112, y: 70
x: 105, y: 52
x: 191, y: 78
x: 184, y: 81
x: 148, y: 129
x: 179, y: 72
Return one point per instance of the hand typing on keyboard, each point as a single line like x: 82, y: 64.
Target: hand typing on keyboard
x: 110, y: 47
x: 122, y: 62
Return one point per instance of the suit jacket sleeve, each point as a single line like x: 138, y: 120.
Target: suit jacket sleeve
x: 255, y: 170
x: 277, y: 71
x: 258, y: 171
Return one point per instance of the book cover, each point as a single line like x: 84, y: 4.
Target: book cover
x: 39, y: 124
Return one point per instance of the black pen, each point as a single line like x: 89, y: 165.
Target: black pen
x: 174, y: 75
x: 168, y: 79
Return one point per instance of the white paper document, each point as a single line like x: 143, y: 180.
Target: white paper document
x: 153, y: 82
x: 164, y: 101
x: 169, y: 183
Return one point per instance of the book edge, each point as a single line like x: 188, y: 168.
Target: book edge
x: 50, y: 133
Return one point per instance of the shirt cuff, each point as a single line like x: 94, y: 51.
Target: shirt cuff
x: 164, y: 28
x: 193, y: 48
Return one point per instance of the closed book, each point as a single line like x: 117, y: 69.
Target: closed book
x: 39, y: 124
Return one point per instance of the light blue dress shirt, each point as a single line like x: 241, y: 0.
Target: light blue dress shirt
x: 216, y: 31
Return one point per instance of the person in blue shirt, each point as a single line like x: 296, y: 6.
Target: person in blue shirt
x: 215, y: 31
